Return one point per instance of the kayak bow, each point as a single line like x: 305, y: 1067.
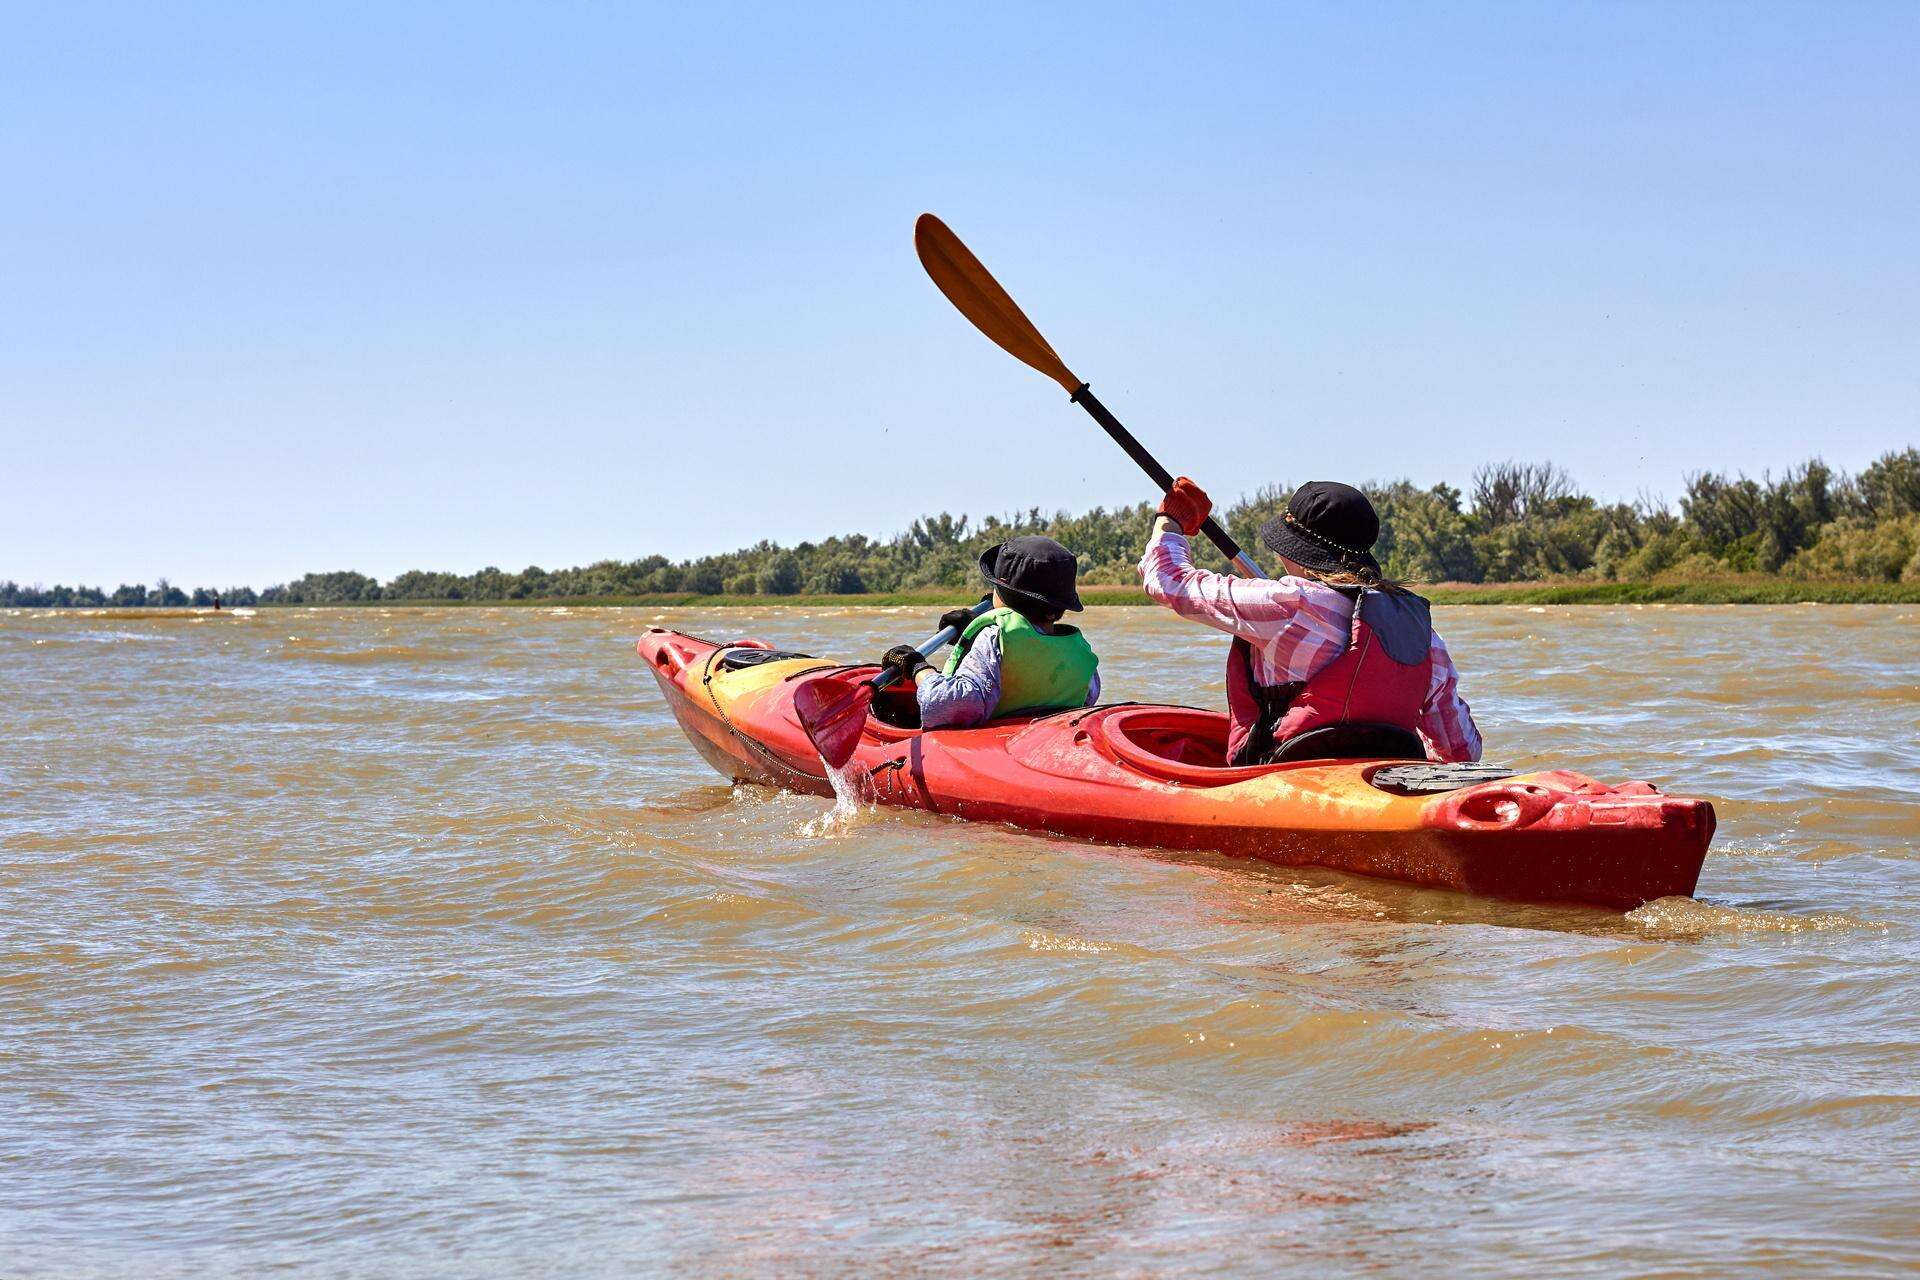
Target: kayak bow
x: 1155, y: 775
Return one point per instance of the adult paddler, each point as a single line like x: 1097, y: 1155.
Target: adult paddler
x: 1333, y: 658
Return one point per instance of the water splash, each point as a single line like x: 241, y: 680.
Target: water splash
x: 1692, y: 917
x: 850, y: 805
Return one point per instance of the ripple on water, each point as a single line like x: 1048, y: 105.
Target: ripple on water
x: 1688, y: 917
x: 309, y: 650
x: 356, y: 941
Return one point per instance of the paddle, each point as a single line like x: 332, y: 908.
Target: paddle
x: 972, y: 288
x: 833, y: 709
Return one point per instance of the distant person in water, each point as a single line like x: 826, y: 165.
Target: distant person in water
x: 1018, y: 656
x: 1333, y: 648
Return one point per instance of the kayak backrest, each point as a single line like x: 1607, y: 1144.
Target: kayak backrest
x: 1353, y: 740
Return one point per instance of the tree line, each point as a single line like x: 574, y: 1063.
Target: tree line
x: 1515, y: 522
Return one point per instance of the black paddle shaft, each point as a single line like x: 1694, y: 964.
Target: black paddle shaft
x: 1085, y: 398
x: 946, y: 635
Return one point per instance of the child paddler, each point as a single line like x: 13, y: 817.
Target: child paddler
x: 1018, y: 656
x: 1332, y: 659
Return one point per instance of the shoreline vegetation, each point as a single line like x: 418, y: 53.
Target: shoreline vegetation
x: 1520, y: 534
x: 1732, y: 591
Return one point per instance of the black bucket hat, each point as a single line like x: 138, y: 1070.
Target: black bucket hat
x: 1327, y: 526
x: 1033, y: 568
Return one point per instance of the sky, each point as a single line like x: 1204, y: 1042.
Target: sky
x: 308, y: 287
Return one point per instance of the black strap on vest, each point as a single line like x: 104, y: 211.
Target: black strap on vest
x: 1272, y: 702
x: 1275, y: 700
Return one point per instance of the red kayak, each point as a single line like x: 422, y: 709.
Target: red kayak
x: 1156, y: 775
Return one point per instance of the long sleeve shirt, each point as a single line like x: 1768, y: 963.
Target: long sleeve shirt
x: 1296, y: 626
x: 972, y: 693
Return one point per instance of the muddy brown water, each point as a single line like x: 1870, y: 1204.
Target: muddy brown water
x: 374, y: 942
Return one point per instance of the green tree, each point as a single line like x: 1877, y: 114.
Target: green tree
x: 1856, y: 547
x: 839, y: 576
x: 1424, y: 536
x: 780, y: 576
x: 1890, y: 486
x: 703, y: 578
x: 341, y: 586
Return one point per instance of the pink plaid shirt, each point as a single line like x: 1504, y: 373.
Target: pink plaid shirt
x: 1296, y: 626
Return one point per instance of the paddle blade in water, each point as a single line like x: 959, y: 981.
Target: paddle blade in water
x: 833, y: 711
x: 972, y: 288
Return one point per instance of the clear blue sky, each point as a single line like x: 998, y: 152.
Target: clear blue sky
x: 378, y: 286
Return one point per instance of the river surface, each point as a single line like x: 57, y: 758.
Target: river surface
x: 389, y: 942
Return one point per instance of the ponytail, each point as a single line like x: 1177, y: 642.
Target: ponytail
x: 1371, y: 579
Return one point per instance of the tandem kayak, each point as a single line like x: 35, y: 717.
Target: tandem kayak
x: 1156, y: 776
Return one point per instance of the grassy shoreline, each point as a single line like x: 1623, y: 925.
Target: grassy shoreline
x: 1439, y: 593
x: 1737, y: 591
x: 1599, y: 593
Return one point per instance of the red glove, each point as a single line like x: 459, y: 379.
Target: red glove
x: 1187, y: 505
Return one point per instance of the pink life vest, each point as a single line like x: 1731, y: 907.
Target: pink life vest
x: 1381, y: 677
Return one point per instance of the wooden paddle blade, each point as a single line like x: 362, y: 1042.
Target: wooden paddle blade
x: 972, y: 288
x: 833, y: 711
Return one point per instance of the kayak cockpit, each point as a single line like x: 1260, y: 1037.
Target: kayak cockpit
x: 1188, y: 746
x: 1173, y: 738
x: 1183, y: 745
x: 1171, y: 744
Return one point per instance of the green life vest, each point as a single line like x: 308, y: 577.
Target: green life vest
x: 1036, y: 669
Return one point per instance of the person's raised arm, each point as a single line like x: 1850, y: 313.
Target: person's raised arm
x: 1252, y: 609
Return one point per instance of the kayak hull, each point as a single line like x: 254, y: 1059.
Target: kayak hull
x: 1151, y: 776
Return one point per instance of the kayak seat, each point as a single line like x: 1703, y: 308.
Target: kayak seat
x: 1354, y: 740
x: 1188, y: 747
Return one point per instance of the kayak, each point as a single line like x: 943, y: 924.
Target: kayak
x: 1157, y: 776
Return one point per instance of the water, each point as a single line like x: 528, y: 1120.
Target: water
x: 374, y: 942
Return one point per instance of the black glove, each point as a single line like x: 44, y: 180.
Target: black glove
x: 902, y: 661
x: 956, y: 618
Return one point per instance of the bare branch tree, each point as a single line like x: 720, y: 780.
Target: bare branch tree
x: 1513, y: 492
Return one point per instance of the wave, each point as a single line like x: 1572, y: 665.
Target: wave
x: 298, y: 650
